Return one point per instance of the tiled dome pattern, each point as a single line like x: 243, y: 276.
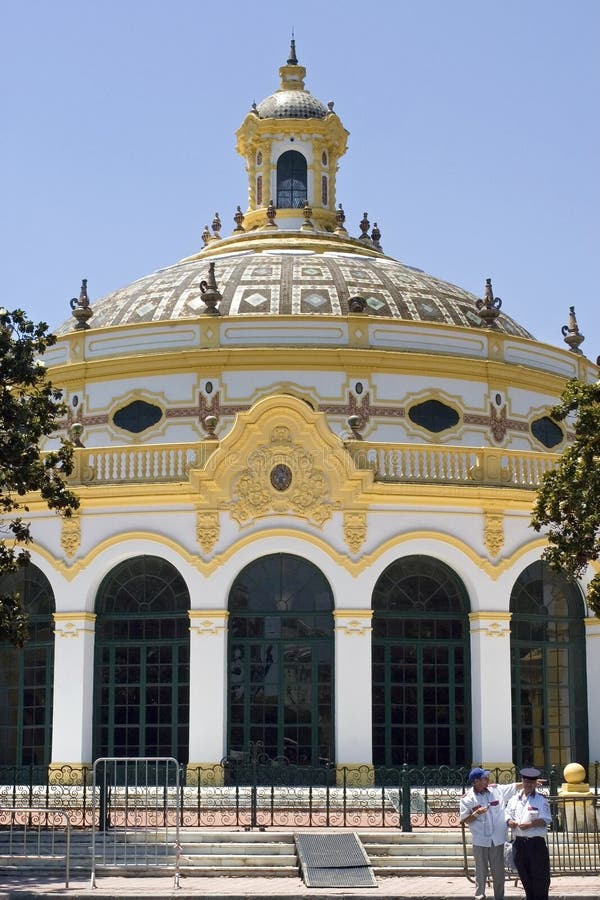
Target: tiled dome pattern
x: 287, y: 283
x: 291, y: 105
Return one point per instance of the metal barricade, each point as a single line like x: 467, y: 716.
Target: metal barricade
x: 32, y: 833
x: 135, y: 815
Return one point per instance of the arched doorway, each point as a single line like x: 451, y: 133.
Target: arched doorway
x: 548, y: 669
x: 291, y: 180
x: 280, y: 661
x: 141, y: 703
x: 421, y: 689
x: 26, y: 675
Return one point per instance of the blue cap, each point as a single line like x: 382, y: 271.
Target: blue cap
x: 478, y: 773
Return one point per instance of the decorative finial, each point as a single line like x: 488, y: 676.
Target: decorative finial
x: 82, y: 311
x: 340, y: 218
x: 376, y: 236
x: 354, y: 424
x: 307, y: 212
x: 210, y: 292
x: 357, y: 304
x: 271, y: 214
x: 205, y: 235
x: 330, y: 105
x: 239, y: 220
x: 489, y: 307
x: 292, y: 59
x: 216, y: 227
x: 364, y: 227
x: 571, y: 333
x: 76, y: 430
x: 209, y: 424
x: 254, y: 108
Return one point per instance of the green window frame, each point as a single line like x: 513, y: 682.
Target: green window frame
x: 27, y: 675
x: 281, y: 662
x: 420, y: 665
x: 548, y: 669
x: 141, y: 703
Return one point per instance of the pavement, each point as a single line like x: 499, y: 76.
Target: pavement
x: 426, y: 887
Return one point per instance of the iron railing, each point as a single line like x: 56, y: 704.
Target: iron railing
x: 260, y: 795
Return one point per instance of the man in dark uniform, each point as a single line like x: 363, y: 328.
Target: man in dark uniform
x: 528, y: 815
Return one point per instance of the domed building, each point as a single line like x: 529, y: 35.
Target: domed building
x: 306, y: 477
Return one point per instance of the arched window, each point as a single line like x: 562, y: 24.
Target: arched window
x: 142, y: 661
x: 291, y: 180
x: 549, y: 696
x: 421, y: 689
x: 280, y: 661
x: 26, y: 675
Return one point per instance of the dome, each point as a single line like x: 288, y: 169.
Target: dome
x: 280, y: 282
x: 291, y: 105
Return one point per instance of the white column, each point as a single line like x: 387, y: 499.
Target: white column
x: 73, y: 689
x: 491, y: 705
x: 353, y: 715
x: 592, y: 638
x: 208, y: 688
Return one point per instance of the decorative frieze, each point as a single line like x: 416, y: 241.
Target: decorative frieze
x: 73, y: 625
x: 493, y: 533
x: 281, y: 477
x: 207, y: 530
x: 208, y: 621
x: 490, y: 624
x: 356, y: 622
x: 355, y: 530
x: 70, y: 538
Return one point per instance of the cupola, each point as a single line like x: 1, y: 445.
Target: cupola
x: 291, y: 143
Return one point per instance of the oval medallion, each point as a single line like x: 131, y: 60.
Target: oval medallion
x: 281, y: 477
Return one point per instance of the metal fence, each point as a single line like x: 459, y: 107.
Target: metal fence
x: 252, y: 794
x: 135, y: 814
x: 41, y: 834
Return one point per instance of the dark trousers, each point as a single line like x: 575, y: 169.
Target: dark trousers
x: 533, y: 865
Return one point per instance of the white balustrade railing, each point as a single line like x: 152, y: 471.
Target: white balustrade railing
x: 389, y: 463
x: 452, y: 465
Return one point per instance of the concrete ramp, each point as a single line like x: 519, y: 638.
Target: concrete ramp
x: 333, y: 860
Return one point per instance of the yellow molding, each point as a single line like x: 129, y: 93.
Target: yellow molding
x: 485, y: 616
x: 208, y: 613
x: 353, y: 613
x: 498, y: 374
x: 79, y: 616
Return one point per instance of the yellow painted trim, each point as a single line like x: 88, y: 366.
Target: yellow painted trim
x: 353, y: 613
x: 78, y: 616
x: 484, y: 616
x: 208, y: 614
x: 365, y: 359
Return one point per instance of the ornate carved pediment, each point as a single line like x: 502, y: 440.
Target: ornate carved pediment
x: 280, y: 458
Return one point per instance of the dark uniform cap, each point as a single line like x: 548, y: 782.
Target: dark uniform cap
x: 530, y: 773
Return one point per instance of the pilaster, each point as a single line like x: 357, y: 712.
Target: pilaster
x: 491, y: 686
x: 73, y: 700
x: 353, y: 704
x: 208, y: 690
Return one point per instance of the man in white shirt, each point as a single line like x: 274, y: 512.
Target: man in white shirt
x: 482, y: 808
x: 528, y: 815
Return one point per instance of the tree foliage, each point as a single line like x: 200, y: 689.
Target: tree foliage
x: 568, y: 501
x: 29, y: 408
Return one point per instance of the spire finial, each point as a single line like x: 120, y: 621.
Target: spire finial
x: 210, y: 292
x: 571, y: 333
x: 489, y: 307
x: 292, y: 59
x: 82, y: 311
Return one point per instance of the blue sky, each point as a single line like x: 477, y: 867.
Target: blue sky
x: 474, y: 138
